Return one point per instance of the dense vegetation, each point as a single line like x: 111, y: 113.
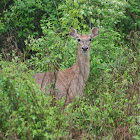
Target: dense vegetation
x: 34, y: 38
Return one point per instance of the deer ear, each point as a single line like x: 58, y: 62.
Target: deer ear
x: 94, y: 32
x: 73, y: 33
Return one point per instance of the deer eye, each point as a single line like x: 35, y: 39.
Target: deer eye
x: 90, y: 39
x: 79, y: 40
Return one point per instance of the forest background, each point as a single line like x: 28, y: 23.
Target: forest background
x: 34, y: 38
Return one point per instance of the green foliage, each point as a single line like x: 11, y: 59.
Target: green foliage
x: 24, y: 109
x: 37, y: 31
x: 1, y: 26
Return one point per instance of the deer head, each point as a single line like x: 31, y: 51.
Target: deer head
x: 84, y: 40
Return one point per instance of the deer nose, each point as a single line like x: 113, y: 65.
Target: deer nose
x: 85, y: 48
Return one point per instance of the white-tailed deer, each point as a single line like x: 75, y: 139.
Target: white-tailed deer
x: 71, y: 81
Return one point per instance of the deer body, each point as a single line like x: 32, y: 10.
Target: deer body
x: 71, y: 81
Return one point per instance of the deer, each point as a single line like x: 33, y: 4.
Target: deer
x: 70, y: 82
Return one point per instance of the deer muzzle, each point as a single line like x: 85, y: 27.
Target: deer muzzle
x: 85, y: 48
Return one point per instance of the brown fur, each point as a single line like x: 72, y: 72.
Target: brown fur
x: 71, y: 81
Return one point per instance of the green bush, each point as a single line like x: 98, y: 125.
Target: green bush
x: 34, y: 38
x: 25, y: 111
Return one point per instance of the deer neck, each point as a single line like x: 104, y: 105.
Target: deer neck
x: 83, y: 64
